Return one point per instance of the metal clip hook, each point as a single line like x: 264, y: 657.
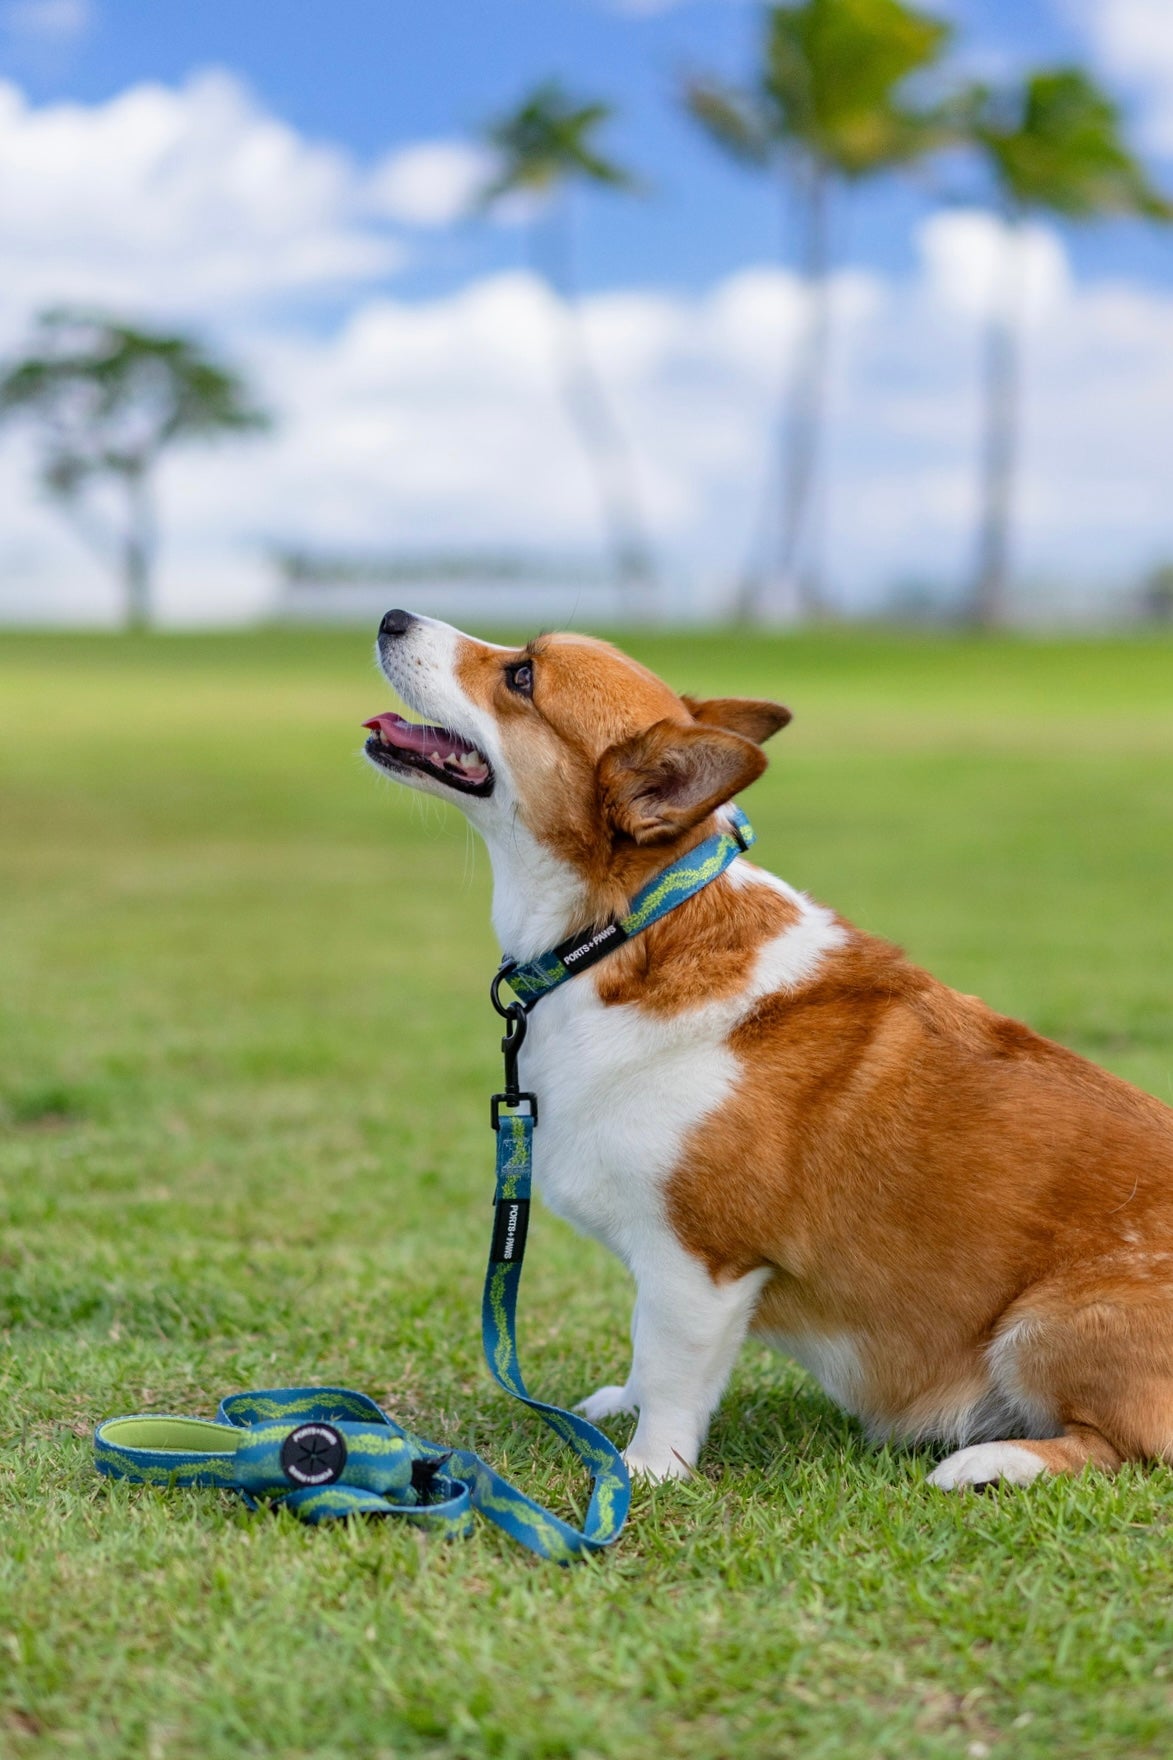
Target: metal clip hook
x: 514, y: 1016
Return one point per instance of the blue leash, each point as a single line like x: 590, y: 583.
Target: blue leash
x: 328, y: 1452
x: 325, y: 1452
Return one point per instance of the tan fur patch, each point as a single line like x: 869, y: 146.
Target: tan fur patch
x: 701, y: 952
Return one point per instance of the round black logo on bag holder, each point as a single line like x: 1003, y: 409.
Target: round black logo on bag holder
x: 313, y: 1454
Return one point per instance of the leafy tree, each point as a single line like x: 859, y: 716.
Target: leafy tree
x: 542, y: 150
x: 827, y: 105
x: 108, y: 400
x: 1053, y: 144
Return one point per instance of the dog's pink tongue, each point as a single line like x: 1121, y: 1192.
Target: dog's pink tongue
x: 408, y: 735
x: 414, y: 736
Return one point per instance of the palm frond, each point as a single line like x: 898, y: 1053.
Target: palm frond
x: 831, y: 84
x: 548, y: 140
x: 1055, y: 143
x: 734, y: 119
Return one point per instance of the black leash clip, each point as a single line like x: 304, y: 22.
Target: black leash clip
x: 514, y: 1015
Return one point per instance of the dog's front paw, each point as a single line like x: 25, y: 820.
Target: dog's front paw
x: 987, y: 1463
x: 608, y: 1402
x: 656, y: 1464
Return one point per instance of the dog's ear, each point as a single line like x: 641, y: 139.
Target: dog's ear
x: 744, y: 715
x: 665, y: 780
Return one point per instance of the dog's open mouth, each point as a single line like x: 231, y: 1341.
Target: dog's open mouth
x: 397, y: 744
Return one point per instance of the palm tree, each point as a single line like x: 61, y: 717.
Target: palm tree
x: 109, y: 400
x: 827, y: 105
x: 541, y: 150
x: 1053, y: 144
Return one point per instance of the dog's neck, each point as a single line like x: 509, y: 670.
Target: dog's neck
x: 538, y: 898
x: 709, y: 946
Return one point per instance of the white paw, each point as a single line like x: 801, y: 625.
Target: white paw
x: 656, y: 1464
x: 608, y: 1402
x: 985, y: 1463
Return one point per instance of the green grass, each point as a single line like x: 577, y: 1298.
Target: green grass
x: 245, y: 1049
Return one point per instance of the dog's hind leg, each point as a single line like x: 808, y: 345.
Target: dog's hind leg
x: 1100, y: 1358
x: 1017, y: 1463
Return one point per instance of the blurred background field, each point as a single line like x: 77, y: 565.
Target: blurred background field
x: 245, y: 1048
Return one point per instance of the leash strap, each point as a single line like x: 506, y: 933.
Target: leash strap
x: 533, y: 978
x: 514, y: 1118
x: 611, y: 1489
x: 328, y: 1452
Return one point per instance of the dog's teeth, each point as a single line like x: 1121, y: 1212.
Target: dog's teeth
x: 469, y: 761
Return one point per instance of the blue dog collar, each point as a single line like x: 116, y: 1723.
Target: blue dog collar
x: 534, y: 978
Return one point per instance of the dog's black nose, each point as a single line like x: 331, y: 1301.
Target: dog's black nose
x: 396, y: 623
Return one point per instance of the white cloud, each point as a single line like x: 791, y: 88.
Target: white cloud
x: 437, y: 423
x: 972, y: 261
x: 49, y: 21
x: 181, y: 200
x: 1133, y: 40
x: 431, y: 184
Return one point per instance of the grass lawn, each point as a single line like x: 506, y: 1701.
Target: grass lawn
x: 245, y: 1049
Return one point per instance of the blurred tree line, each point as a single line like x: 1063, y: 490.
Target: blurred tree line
x: 841, y: 92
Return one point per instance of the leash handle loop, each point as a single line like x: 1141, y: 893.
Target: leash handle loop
x: 320, y: 1452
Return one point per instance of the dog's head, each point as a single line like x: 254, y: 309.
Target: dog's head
x: 598, y: 761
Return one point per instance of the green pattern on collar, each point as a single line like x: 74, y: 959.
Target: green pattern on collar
x: 534, y: 978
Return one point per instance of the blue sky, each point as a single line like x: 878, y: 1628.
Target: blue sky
x: 375, y: 74
x: 289, y: 182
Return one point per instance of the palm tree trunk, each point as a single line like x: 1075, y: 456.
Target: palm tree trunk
x: 792, y: 585
x: 138, y: 550
x: 591, y: 416
x: 1001, y: 396
x: 798, y: 576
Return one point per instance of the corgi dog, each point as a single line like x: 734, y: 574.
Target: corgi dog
x: 780, y: 1125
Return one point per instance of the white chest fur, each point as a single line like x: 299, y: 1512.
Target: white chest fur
x: 620, y: 1089
x: 618, y: 1093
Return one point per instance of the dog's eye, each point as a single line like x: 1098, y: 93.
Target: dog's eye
x: 520, y: 678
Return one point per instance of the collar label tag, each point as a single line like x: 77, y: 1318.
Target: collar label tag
x: 587, y: 949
